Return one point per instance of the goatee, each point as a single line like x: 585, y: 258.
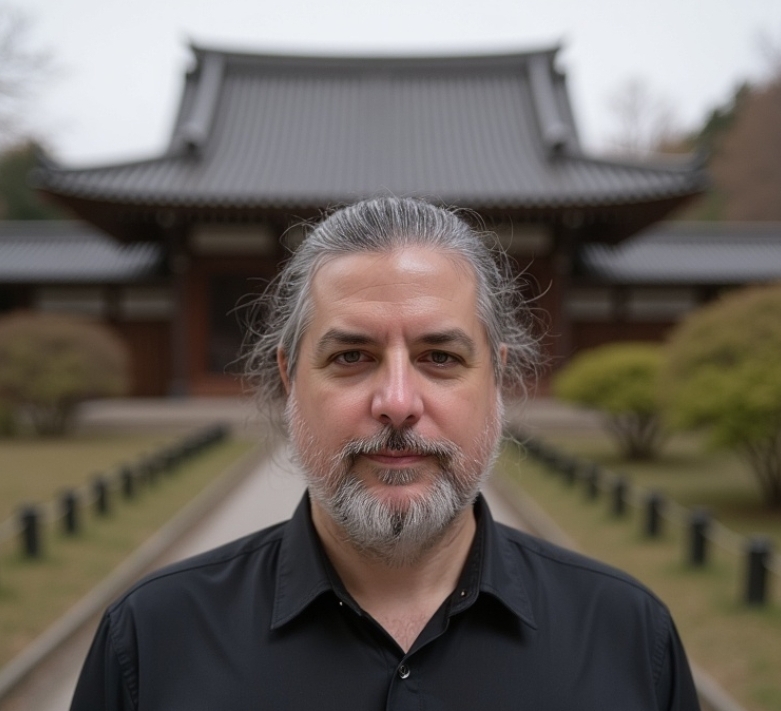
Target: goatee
x: 396, y: 530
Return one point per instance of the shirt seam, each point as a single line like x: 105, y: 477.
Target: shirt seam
x: 180, y: 571
x: 661, y: 650
x: 123, y: 661
x: 595, y: 570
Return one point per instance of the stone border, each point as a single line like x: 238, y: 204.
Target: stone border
x: 712, y: 696
x: 95, y: 601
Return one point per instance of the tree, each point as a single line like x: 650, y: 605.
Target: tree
x: 747, y: 165
x: 744, y: 145
x: 22, y: 68
x: 723, y: 373
x: 620, y: 380
x: 51, y: 362
x: 645, y: 122
x: 18, y: 201
x: 708, y: 141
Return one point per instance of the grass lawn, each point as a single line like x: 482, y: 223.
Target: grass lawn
x: 37, y: 469
x: 737, y: 645
x: 691, y: 475
x: 33, y: 593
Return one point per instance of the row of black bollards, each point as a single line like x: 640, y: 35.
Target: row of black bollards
x: 699, y: 525
x: 128, y: 481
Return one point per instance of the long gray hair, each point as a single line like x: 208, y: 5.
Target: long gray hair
x: 381, y: 225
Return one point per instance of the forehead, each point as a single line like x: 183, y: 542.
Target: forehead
x: 414, y: 287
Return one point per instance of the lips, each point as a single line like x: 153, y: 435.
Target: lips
x: 396, y: 458
x: 398, y: 453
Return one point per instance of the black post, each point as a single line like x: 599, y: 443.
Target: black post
x: 759, y: 549
x: 100, y: 489
x: 30, y: 518
x: 699, y: 525
x: 569, y: 468
x: 653, y: 514
x: 69, y: 502
x: 618, y: 499
x: 127, y: 479
x: 592, y: 482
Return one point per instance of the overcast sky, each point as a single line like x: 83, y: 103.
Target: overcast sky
x: 121, y: 62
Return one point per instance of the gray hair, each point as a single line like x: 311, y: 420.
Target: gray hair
x: 382, y: 225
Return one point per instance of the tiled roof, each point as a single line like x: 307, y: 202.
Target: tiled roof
x: 281, y: 131
x: 689, y: 253
x: 69, y: 252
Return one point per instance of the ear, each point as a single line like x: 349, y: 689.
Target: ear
x: 282, y: 366
x: 503, y: 354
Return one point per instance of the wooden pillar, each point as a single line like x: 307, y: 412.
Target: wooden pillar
x: 179, y: 267
x: 563, y: 259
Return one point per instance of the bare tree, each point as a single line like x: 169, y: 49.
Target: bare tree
x: 22, y: 68
x: 747, y: 168
x: 645, y: 122
x: 769, y: 47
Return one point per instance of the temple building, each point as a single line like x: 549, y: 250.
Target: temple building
x: 263, y: 143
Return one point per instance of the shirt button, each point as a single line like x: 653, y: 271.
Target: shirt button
x: 404, y: 671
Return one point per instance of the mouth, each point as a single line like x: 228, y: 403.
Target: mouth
x: 393, y: 458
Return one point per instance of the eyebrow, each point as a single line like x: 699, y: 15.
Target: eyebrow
x: 450, y: 337
x: 337, y: 337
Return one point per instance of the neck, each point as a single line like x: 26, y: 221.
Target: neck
x: 393, y: 593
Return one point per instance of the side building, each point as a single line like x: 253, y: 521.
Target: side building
x: 71, y: 267
x: 262, y: 143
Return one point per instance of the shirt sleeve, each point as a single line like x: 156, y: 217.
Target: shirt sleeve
x: 102, y: 683
x: 675, y: 686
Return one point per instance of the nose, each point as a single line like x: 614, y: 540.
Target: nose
x: 397, y: 400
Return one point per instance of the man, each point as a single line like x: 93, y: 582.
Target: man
x: 390, y: 338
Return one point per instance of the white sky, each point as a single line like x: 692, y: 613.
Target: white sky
x: 121, y: 62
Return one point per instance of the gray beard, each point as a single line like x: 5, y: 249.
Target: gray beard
x: 396, y: 535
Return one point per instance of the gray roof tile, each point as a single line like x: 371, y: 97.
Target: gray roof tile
x: 71, y: 252
x: 269, y: 131
x: 689, y: 253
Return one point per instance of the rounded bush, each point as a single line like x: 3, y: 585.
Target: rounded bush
x: 51, y: 362
x: 723, y: 373
x: 620, y: 380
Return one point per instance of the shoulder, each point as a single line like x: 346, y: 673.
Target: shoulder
x: 567, y: 575
x: 207, y: 573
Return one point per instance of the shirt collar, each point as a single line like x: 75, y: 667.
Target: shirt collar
x: 493, y: 567
x: 302, y: 573
x: 494, y: 562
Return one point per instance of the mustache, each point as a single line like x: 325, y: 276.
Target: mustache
x: 395, y: 439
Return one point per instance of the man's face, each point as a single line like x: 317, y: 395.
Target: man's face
x: 394, y: 412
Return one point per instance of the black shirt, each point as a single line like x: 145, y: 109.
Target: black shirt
x: 265, y: 623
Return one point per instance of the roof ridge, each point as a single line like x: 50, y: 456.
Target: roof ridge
x: 395, y: 58
x: 662, y: 163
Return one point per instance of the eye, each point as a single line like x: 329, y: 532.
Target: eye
x: 348, y: 357
x: 442, y: 358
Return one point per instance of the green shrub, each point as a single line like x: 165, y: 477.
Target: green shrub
x: 49, y: 363
x: 620, y: 380
x: 724, y: 374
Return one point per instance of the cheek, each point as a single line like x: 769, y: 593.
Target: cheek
x: 333, y: 414
x: 468, y: 418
